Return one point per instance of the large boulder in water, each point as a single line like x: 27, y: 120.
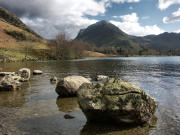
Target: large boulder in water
x: 116, y: 101
x: 68, y: 86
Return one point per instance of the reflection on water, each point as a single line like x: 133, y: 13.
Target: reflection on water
x: 36, y: 109
x: 67, y: 104
x: 106, y: 129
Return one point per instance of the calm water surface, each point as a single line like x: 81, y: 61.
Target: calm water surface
x: 36, y: 109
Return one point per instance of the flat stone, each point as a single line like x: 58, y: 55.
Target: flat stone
x: 37, y: 72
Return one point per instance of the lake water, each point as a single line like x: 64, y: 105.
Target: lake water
x: 36, y: 109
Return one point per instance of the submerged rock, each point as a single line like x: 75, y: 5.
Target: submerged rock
x: 25, y: 74
x: 68, y: 86
x: 37, y: 72
x: 116, y: 101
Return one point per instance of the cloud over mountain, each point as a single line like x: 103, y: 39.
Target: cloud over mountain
x: 130, y: 24
x: 48, y: 18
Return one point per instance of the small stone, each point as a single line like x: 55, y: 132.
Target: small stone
x: 37, y: 72
x: 53, y: 79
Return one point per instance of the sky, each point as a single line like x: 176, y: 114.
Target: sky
x: 135, y: 17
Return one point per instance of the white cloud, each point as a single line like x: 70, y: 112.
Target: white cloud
x: 130, y: 25
x: 177, y: 31
x: 122, y: 1
x: 174, y: 18
x: 108, y: 3
x: 128, y: 18
x: 164, y: 4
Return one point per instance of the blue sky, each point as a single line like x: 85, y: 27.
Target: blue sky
x: 135, y: 17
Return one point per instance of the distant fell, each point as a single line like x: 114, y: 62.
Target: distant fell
x: 104, y: 33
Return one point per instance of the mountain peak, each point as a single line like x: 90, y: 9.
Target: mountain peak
x: 100, y: 33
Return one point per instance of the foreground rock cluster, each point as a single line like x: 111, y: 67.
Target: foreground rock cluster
x: 13, y: 80
x: 108, y: 99
x: 10, y: 81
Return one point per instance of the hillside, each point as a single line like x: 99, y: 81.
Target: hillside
x: 18, y: 41
x: 162, y: 41
x: 106, y: 34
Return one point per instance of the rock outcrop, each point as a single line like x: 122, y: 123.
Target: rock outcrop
x: 116, y: 101
x: 68, y: 86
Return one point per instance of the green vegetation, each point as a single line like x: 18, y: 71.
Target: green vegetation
x: 25, y: 51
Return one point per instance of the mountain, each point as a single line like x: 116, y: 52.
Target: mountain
x: 16, y: 38
x: 106, y: 34
x: 164, y: 41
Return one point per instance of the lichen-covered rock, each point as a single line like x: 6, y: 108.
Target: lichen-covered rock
x: 68, y: 86
x: 116, y: 101
x: 25, y: 74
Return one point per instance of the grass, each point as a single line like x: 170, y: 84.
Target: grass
x: 17, y: 44
x: 24, y: 51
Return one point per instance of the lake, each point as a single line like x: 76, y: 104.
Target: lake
x: 37, y: 110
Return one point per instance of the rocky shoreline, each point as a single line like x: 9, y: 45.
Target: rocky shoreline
x: 102, y: 99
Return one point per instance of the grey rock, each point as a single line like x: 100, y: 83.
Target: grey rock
x: 116, y: 101
x: 25, y: 74
x: 6, y: 73
x: 37, y: 72
x: 53, y: 79
x: 68, y: 86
